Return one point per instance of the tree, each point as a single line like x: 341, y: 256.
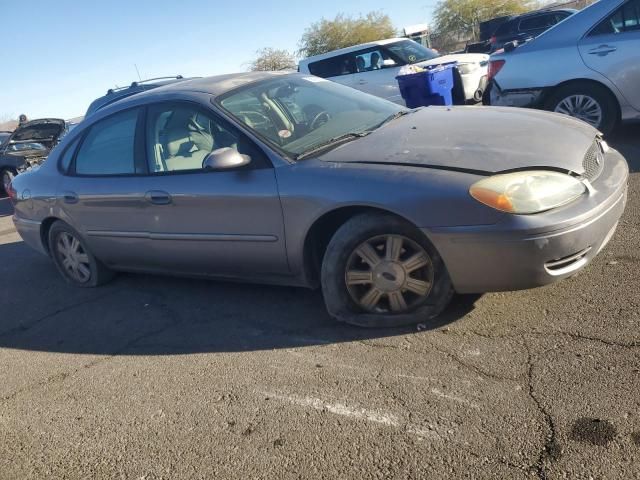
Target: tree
x: 273, y: 59
x: 344, y: 31
x: 460, y: 18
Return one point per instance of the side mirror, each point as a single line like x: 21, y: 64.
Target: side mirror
x: 225, y: 158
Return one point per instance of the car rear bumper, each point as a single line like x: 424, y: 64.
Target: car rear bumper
x: 530, y: 97
x: 513, y: 255
x: 29, y: 230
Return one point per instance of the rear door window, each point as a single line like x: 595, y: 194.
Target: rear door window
x: 624, y: 19
x: 108, y: 148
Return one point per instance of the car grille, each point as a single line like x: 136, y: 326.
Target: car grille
x: 593, y: 162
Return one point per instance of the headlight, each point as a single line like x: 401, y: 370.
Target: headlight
x: 466, y: 68
x: 531, y: 191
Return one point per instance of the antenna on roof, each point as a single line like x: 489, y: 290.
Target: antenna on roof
x: 137, y: 71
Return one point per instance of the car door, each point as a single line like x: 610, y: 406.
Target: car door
x: 377, y: 77
x: 226, y: 222
x: 100, y: 194
x: 612, y: 48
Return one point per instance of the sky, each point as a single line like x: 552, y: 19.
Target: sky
x: 59, y: 55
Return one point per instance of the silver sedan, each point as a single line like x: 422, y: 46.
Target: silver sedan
x: 291, y: 179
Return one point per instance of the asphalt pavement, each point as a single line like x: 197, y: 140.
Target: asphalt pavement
x: 165, y: 378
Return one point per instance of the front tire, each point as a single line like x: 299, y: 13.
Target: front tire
x: 73, y: 259
x: 588, y: 102
x: 380, y: 271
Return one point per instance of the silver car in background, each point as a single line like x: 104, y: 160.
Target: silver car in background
x: 587, y: 66
x: 292, y: 179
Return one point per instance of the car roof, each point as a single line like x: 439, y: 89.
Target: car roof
x: 342, y: 51
x: 214, y: 86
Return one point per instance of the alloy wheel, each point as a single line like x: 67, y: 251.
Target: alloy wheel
x: 583, y: 107
x: 73, y: 258
x: 389, y: 273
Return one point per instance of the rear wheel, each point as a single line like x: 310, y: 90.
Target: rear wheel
x: 588, y: 102
x: 380, y: 271
x: 7, y: 177
x: 73, y: 259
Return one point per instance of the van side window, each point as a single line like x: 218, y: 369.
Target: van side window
x: 334, y: 66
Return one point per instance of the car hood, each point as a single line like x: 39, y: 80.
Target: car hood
x: 456, y: 57
x: 45, y: 131
x: 477, y: 139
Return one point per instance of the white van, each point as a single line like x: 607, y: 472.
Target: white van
x: 372, y: 67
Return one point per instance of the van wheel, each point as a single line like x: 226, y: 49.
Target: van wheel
x: 380, y: 271
x: 73, y: 259
x: 588, y: 102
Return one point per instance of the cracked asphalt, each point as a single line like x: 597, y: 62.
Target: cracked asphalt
x: 165, y: 378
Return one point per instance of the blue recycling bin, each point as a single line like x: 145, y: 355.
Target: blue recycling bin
x: 431, y: 87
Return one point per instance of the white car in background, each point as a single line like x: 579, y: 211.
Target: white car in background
x: 373, y: 67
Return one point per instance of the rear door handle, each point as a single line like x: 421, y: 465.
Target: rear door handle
x: 602, y: 50
x: 70, y: 197
x: 158, y: 197
x: 362, y: 82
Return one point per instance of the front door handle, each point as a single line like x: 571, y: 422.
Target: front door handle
x: 70, y: 197
x: 602, y: 50
x: 362, y: 82
x: 158, y: 197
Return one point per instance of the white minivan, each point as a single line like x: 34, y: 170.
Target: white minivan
x: 372, y: 67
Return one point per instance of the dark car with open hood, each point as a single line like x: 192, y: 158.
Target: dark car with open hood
x: 28, y: 146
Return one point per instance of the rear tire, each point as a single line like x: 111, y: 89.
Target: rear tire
x: 73, y: 259
x: 588, y: 102
x: 403, y: 282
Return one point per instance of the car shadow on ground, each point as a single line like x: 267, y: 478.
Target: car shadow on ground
x: 626, y: 139
x: 155, y: 315
x: 5, y: 206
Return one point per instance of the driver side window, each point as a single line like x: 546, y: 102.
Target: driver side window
x: 180, y: 136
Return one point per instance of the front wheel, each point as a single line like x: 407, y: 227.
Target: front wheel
x: 590, y: 103
x: 380, y: 271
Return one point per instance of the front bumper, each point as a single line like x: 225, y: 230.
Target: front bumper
x: 512, y: 98
x: 527, y: 251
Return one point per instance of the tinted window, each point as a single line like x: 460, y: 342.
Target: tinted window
x: 108, y: 147
x: 625, y: 19
x: 334, y: 66
x: 180, y: 136
x: 507, y: 28
x: 538, y: 22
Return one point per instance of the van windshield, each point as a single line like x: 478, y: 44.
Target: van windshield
x: 410, y: 52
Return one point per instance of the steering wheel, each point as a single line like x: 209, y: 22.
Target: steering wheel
x: 319, y: 119
x: 256, y: 119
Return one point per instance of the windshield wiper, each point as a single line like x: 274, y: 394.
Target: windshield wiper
x: 390, y: 118
x: 332, y: 142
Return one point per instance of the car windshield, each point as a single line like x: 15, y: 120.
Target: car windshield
x: 298, y: 114
x: 409, y: 51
